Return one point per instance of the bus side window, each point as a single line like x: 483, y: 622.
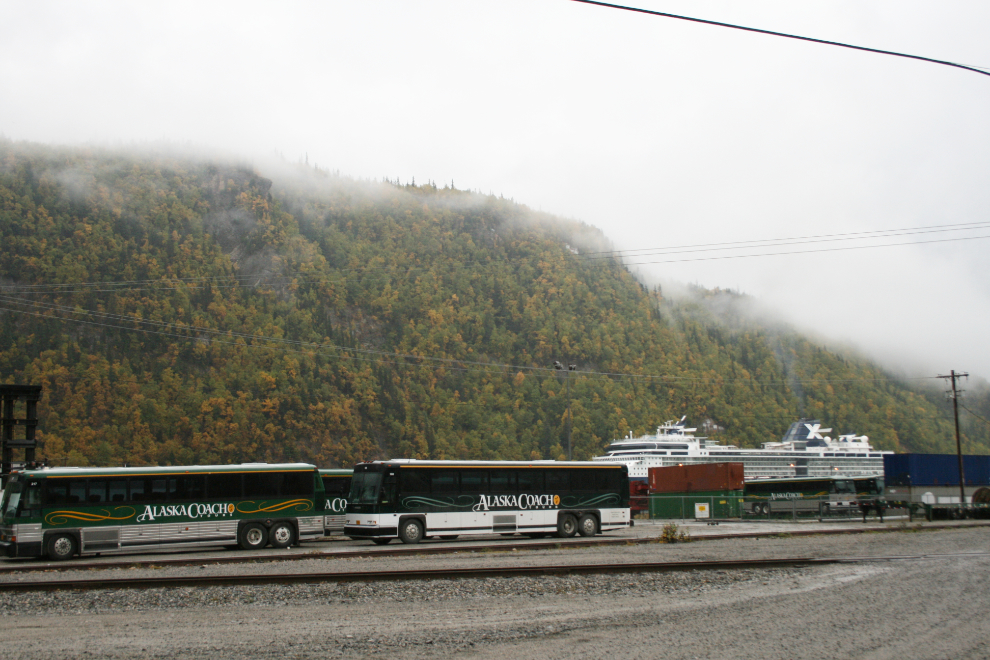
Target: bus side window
x: 530, y: 481
x: 57, y: 492
x: 137, y: 490
x: 30, y: 506
x: 444, y: 481
x: 262, y: 485
x: 77, y: 491
x: 557, y: 480
x: 337, y: 486
x: 158, y: 489
x: 224, y: 486
x: 415, y: 481
x: 388, y: 489
x: 97, y: 491
x: 502, y: 481
x: 297, y: 484
x: 582, y: 479
x: 474, y: 481
x: 117, y: 489
x: 187, y: 487
x: 620, y: 483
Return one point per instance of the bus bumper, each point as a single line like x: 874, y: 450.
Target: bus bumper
x: 368, y: 532
x: 9, y: 549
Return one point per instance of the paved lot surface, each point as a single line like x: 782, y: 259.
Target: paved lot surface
x: 932, y: 606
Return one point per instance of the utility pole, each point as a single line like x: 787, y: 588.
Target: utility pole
x: 954, y: 394
x: 567, y: 380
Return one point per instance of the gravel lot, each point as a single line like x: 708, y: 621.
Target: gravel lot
x: 932, y: 607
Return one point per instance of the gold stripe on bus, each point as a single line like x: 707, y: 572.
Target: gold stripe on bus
x: 62, y: 517
x: 298, y: 505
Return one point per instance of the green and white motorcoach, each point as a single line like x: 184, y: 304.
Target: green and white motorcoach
x: 412, y: 499
x: 63, y: 512
x: 336, y: 486
x: 799, y: 494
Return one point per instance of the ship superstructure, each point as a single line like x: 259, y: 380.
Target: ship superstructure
x: 804, y: 451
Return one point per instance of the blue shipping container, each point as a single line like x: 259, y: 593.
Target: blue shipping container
x: 934, y: 470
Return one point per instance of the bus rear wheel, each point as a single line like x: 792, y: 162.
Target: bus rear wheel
x: 588, y: 525
x: 282, y: 535
x: 253, y: 536
x: 411, y: 531
x: 61, y: 547
x: 567, y: 526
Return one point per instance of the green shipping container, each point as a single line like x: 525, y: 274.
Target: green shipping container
x: 721, y: 504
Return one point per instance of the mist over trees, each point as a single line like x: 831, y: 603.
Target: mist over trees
x: 180, y: 310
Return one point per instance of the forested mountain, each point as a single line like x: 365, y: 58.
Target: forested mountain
x: 180, y: 310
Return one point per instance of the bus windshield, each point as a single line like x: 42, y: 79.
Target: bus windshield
x: 364, y: 487
x: 11, y: 497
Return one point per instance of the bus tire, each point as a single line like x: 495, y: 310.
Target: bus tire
x: 61, y: 547
x: 567, y: 526
x: 588, y: 525
x: 411, y: 531
x: 282, y: 535
x: 380, y: 541
x: 253, y: 536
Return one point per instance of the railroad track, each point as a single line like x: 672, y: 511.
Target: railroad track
x: 497, y: 545
x: 449, y: 573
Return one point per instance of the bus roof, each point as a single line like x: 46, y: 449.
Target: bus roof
x: 162, y: 470
x: 431, y: 463
x: 770, y: 480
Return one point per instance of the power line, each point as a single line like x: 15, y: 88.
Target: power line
x: 982, y: 419
x: 211, y: 282
x: 785, y: 35
x: 820, y: 238
x: 396, y: 359
x: 837, y: 249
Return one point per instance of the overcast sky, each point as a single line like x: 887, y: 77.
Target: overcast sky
x: 662, y: 133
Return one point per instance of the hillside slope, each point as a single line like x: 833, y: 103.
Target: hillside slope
x: 185, y: 311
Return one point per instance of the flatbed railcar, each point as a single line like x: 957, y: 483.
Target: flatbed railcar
x: 928, y: 484
x: 412, y: 500
x: 63, y: 512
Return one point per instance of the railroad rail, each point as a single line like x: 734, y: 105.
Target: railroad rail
x: 449, y: 573
x: 494, y: 545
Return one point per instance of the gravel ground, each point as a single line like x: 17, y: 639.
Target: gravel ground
x: 918, y: 608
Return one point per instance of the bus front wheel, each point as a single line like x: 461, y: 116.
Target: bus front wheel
x: 282, y: 535
x: 567, y: 526
x: 253, y: 536
x: 411, y: 531
x: 61, y: 547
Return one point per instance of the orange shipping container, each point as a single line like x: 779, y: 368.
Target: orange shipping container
x: 696, y: 478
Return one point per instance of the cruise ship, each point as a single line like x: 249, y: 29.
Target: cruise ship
x: 804, y: 451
